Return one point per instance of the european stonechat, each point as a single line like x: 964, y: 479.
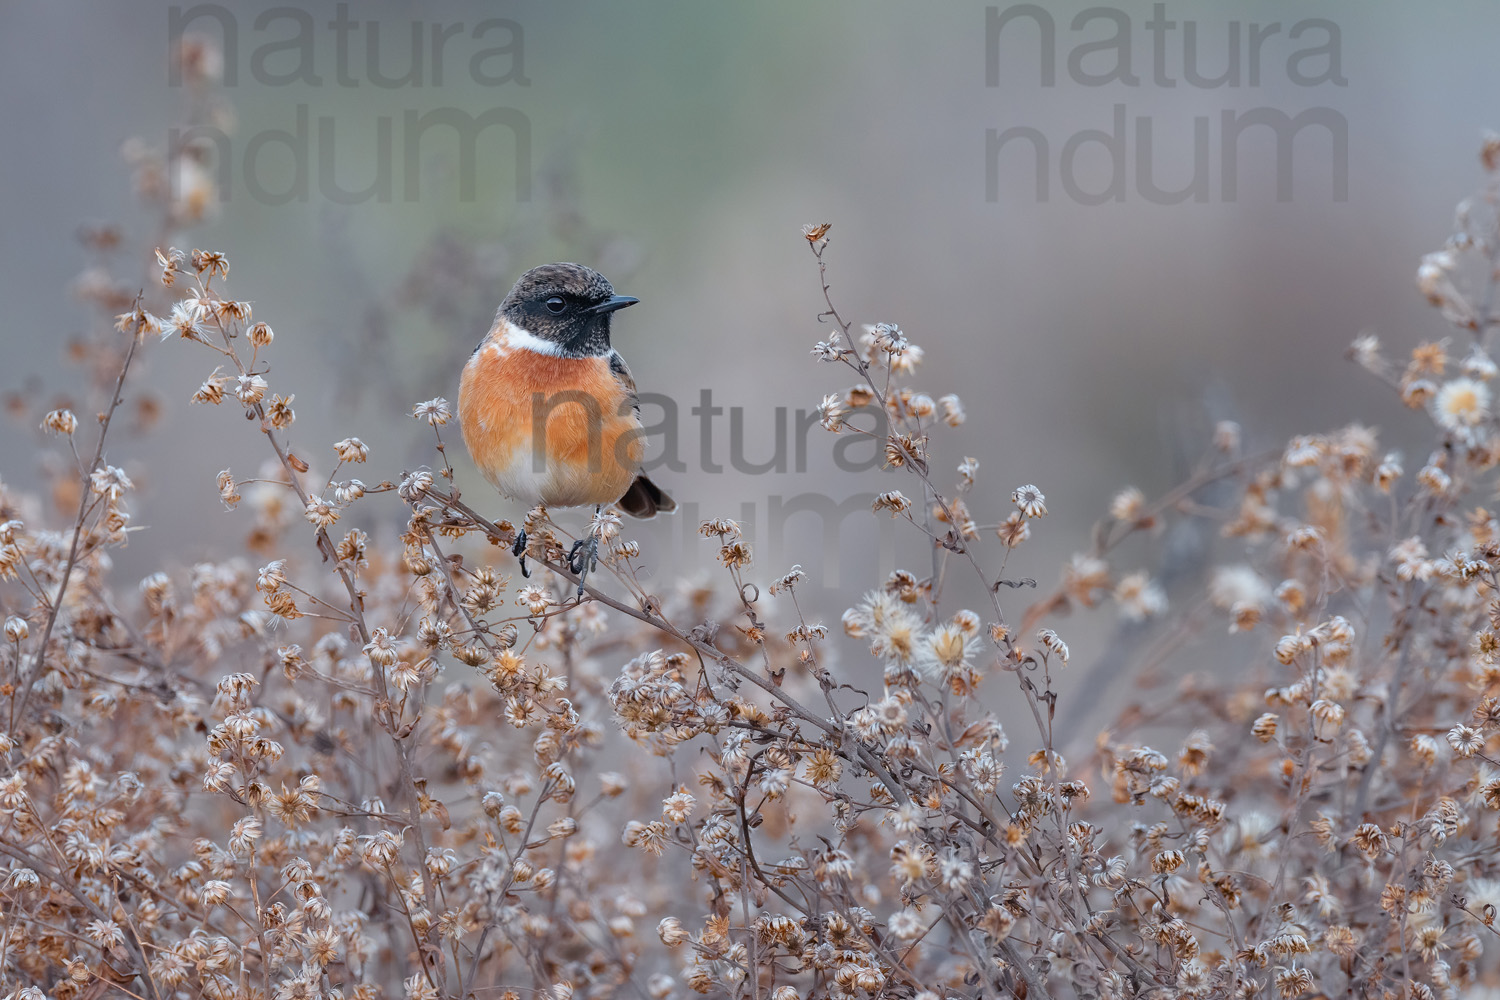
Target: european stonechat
x: 548, y: 408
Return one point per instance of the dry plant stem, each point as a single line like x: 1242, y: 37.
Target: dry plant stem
x: 1104, y: 543
x: 866, y: 758
x: 83, y: 508
x: 490, y: 925
x: 385, y: 711
x: 1017, y: 961
x: 915, y: 464
x: 1387, y: 730
x: 480, y: 634
x: 56, y: 877
x: 260, y: 926
x: 132, y: 938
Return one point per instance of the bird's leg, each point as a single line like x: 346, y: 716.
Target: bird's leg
x: 519, y: 551
x: 584, y: 555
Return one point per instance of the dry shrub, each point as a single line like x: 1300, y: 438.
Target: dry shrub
x: 344, y: 766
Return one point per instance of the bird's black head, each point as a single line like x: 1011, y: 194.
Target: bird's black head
x: 566, y: 305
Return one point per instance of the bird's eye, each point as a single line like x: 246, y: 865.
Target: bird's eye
x: 556, y: 304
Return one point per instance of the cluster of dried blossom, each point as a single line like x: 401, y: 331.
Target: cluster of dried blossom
x: 351, y: 766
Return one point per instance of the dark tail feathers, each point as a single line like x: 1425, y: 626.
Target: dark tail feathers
x: 645, y: 499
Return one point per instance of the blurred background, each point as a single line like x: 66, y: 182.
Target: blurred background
x: 1094, y: 332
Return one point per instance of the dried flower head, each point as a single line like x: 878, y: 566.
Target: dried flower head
x: 435, y: 411
x: 1029, y: 500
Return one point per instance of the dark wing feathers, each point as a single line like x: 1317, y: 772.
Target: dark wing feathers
x: 644, y: 498
x: 618, y: 369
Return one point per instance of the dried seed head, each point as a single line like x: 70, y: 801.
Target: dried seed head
x: 1265, y: 727
x: 1029, y: 500
x: 251, y: 389
x: 351, y: 449
x: 320, y: 512
x: 1053, y: 644
x: 212, y: 389
x: 60, y: 422
x: 280, y: 412
x: 435, y: 411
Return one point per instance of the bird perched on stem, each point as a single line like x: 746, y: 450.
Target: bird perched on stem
x: 548, y: 408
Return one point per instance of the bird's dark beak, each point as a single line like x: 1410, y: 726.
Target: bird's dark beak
x: 612, y: 303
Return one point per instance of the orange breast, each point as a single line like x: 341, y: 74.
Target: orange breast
x: 540, y: 428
